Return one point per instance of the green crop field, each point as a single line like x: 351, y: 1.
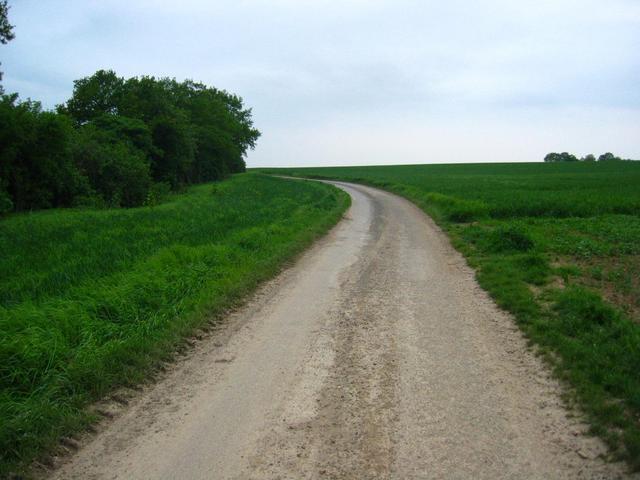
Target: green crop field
x: 558, y: 245
x: 91, y: 300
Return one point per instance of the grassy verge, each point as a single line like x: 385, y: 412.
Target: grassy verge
x: 557, y: 245
x: 91, y: 300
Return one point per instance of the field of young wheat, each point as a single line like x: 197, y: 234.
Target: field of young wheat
x: 558, y: 245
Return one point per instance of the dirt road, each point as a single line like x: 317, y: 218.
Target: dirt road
x: 376, y: 355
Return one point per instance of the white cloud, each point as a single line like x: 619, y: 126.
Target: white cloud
x: 340, y: 81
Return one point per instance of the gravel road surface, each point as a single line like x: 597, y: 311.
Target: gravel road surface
x: 375, y: 356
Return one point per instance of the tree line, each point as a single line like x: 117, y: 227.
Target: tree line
x: 116, y: 141
x: 568, y: 157
x: 119, y: 142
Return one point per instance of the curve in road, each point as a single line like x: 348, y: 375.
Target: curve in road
x: 376, y: 355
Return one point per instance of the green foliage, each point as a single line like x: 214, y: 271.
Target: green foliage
x: 6, y: 205
x: 538, y: 232
x: 509, y: 190
x: 157, y: 193
x: 456, y: 209
x: 94, y: 96
x: 115, y: 137
x: 6, y: 31
x: 581, y: 310
x: 568, y: 157
x: 93, y: 299
x: 508, y: 238
x: 608, y: 157
x: 117, y: 171
x: 560, y: 157
x: 175, y: 149
x: 600, y: 345
x: 35, y: 161
x: 534, y: 267
x: 199, y: 133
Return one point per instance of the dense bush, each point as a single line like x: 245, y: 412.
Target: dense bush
x: 115, y: 138
x: 510, y: 238
x: 6, y: 204
x: 116, y: 170
x: 35, y: 156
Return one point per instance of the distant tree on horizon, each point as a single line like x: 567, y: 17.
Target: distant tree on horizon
x: 608, y: 157
x: 569, y: 157
x: 560, y: 157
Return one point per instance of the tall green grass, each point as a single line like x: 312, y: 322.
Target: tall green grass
x: 91, y: 300
x: 558, y: 245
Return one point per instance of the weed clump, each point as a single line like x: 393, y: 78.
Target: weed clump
x: 534, y: 267
x: 603, y: 347
x: 510, y: 238
x: 581, y: 310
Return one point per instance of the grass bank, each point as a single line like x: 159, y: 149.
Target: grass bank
x: 92, y: 300
x: 557, y: 245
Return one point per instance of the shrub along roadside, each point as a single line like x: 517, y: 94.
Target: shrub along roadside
x: 591, y: 345
x: 150, y: 276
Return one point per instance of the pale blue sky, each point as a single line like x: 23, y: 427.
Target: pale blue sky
x: 364, y: 82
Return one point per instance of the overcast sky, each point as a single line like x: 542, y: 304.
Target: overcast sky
x: 364, y: 81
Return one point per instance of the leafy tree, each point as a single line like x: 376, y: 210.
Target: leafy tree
x: 608, y: 157
x: 560, y: 157
x: 224, y: 130
x: 146, y: 98
x: 116, y: 141
x: 94, y: 96
x: 588, y: 158
x: 117, y: 172
x: 552, y: 157
x: 175, y: 147
x: 131, y: 130
x: 35, y: 161
x: 6, y: 29
x: 198, y: 133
